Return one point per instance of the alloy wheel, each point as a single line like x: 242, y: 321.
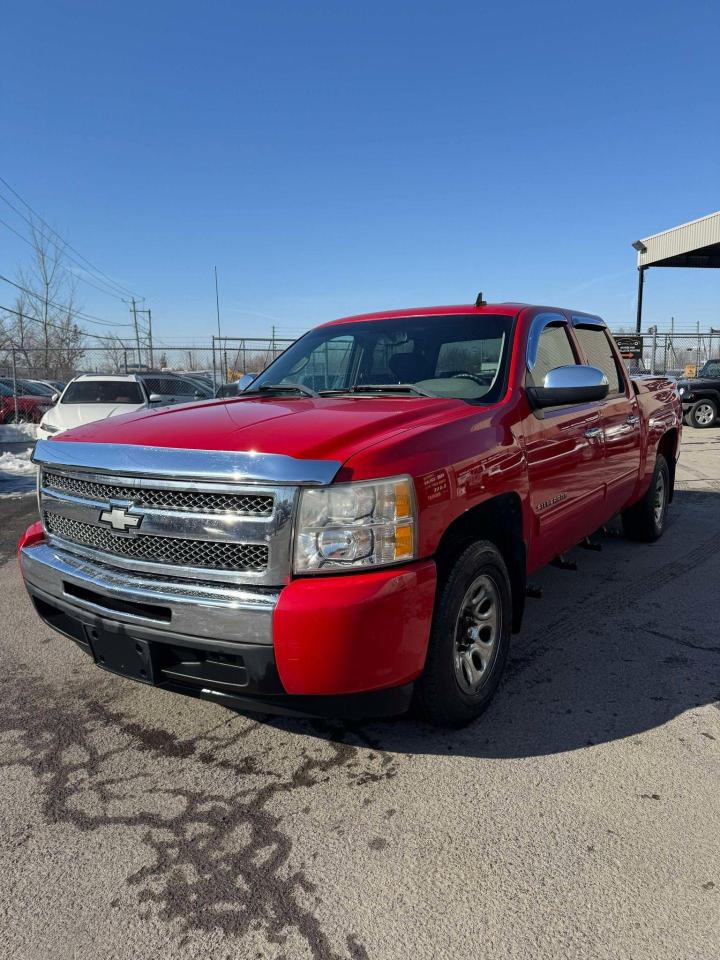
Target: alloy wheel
x: 659, y: 499
x: 704, y: 414
x: 476, y: 634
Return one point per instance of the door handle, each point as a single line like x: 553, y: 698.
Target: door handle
x: 593, y: 432
x: 632, y: 420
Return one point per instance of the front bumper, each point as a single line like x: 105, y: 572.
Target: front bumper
x: 341, y: 645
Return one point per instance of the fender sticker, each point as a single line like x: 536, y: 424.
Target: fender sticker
x: 435, y: 486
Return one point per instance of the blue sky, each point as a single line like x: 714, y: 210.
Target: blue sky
x: 340, y: 157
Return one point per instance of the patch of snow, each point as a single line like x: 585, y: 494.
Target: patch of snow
x: 16, y: 463
x: 18, y: 432
x: 17, y: 474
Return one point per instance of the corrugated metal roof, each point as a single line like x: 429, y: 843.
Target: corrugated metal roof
x: 694, y: 244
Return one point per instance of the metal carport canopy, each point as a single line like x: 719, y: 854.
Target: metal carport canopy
x: 694, y: 244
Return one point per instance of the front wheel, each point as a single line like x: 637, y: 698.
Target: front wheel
x: 645, y: 520
x: 702, y: 414
x: 469, y: 640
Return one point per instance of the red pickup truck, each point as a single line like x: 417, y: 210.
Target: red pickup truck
x: 357, y: 529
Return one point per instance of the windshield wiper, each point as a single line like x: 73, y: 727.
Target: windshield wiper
x: 281, y: 388
x: 390, y: 388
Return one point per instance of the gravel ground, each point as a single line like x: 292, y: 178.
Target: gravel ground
x: 578, y: 819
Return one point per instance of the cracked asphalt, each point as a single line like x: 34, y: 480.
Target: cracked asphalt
x: 578, y: 819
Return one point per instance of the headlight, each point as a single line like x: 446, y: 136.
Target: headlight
x: 355, y: 525
x: 48, y: 428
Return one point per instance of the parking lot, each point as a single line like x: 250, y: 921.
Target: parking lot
x: 579, y: 818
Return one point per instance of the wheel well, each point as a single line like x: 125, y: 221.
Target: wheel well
x: 500, y: 521
x: 668, y: 448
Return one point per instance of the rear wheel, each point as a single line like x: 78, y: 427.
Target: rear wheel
x: 645, y: 520
x: 702, y: 414
x: 469, y: 640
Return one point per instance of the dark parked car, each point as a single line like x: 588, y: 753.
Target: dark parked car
x: 234, y: 388
x: 174, y: 389
x: 700, y: 396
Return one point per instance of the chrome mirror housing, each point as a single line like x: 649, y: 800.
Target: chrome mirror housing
x: 574, y: 383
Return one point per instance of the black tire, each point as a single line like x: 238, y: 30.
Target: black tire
x: 703, y: 414
x: 645, y: 520
x: 444, y: 693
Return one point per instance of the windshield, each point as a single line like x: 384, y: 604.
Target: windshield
x: 711, y: 369
x: 103, y: 391
x: 463, y: 357
x: 36, y: 389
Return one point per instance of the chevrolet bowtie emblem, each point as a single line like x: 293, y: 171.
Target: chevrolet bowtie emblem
x: 119, y: 519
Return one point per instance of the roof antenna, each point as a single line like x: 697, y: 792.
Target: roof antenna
x: 480, y: 302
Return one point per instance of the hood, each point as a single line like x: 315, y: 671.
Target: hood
x: 69, y: 415
x: 321, y: 428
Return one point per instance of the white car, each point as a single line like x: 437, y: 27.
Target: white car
x: 94, y: 397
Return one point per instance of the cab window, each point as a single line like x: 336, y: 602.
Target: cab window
x: 554, y: 350
x: 596, y: 347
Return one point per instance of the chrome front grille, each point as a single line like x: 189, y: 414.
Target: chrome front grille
x: 246, y: 504
x: 173, y: 551
x: 232, y: 532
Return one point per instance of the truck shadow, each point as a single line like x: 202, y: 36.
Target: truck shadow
x: 616, y: 649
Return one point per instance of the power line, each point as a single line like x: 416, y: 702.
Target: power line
x: 119, y: 286
x: 77, y: 277
x: 63, y: 306
x: 109, y: 292
x: 55, y: 326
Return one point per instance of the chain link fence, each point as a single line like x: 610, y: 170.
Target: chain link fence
x: 224, y: 359
x: 228, y: 358
x: 672, y: 354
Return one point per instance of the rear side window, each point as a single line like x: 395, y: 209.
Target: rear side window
x: 554, y: 350
x: 596, y: 347
x: 169, y: 387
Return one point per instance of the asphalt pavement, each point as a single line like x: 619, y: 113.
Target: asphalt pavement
x: 579, y: 818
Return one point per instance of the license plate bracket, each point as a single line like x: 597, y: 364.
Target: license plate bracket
x: 121, y: 654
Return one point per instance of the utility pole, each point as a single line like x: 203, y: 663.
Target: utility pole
x: 137, y: 332
x: 152, y: 361
x: 217, y: 311
x: 217, y: 302
x: 149, y: 341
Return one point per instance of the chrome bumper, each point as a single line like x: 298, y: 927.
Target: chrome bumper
x: 197, y: 610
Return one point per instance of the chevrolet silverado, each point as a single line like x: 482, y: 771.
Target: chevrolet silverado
x: 356, y: 531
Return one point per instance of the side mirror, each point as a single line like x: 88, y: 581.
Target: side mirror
x: 574, y: 383
x: 156, y: 398
x: 55, y: 397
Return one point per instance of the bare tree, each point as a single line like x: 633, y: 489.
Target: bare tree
x: 43, y: 327
x: 114, y: 354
